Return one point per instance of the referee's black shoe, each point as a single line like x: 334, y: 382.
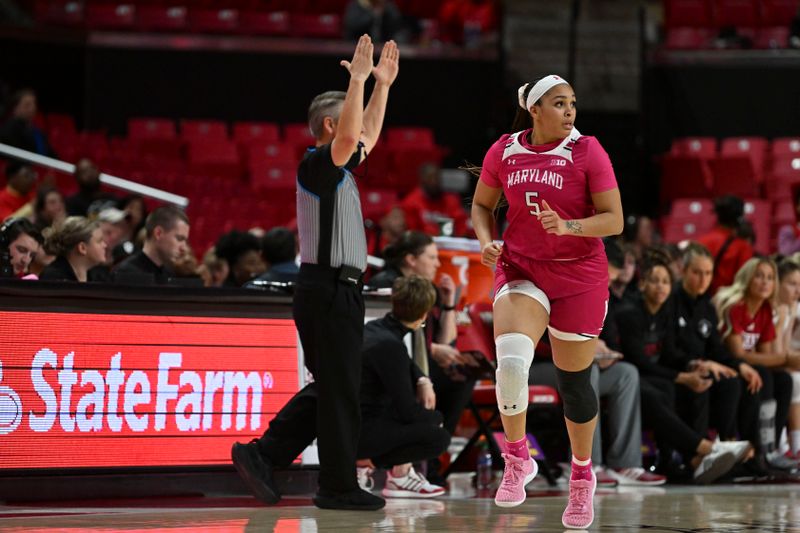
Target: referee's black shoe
x: 256, y: 471
x: 356, y: 500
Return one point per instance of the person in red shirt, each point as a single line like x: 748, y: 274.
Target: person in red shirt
x: 431, y: 210
x: 20, y: 178
x: 746, y: 323
x: 730, y: 251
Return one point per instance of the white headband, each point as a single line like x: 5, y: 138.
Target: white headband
x: 541, y: 87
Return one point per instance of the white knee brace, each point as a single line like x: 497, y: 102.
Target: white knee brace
x: 514, y: 358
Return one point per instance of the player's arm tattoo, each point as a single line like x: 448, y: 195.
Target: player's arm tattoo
x: 573, y: 226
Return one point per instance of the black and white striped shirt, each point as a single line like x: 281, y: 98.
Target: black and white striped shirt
x: 329, y: 219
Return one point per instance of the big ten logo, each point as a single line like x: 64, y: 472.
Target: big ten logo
x: 559, y: 162
x: 10, y: 407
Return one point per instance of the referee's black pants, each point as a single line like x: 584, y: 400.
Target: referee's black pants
x: 329, y: 315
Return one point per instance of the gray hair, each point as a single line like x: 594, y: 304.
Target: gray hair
x: 327, y: 104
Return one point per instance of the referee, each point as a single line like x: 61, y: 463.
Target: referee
x: 328, y: 304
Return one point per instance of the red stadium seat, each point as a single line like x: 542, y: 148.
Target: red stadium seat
x: 60, y: 12
x: 784, y: 214
x: 687, y: 38
x: 266, y: 153
x: 677, y: 230
x: 405, y: 164
x: 161, y: 17
x: 704, y: 147
x: 737, y: 13
x: 375, y: 169
x: 774, y: 37
x: 400, y: 138
x: 210, y: 20
x: 274, y: 176
x: 786, y: 146
x: 204, y: 130
x: 219, y: 158
x: 376, y: 203
x: 684, y: 177
x: 258, y: 22
x: 298, y: 134
x: 56, y: 123
x: 778, y: 13
x: 734, y: 175
x: 696, y: 13
x: 325, y: 26
x: 690, y: 208
x: 112, y: 16
x: 151, y: 128
x: 754, y: 148
x: 246, y: 132
x: 786, y: 167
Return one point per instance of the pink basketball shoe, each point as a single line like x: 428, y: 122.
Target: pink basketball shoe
x: 579, y: 513
x: 518, y: 473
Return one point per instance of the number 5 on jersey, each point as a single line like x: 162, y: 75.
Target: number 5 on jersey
x: 531, y: 199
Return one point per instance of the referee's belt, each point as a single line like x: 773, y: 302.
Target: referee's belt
x: 345, y: 273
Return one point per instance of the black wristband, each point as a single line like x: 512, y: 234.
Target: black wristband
x: 448, y: 307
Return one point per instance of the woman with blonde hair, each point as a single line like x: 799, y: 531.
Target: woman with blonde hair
x: 746, y: 311
x: 78, y: 245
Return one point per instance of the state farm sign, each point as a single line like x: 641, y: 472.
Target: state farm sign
x: 86, y: 390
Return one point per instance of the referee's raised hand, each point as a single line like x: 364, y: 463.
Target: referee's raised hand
x: 361, y: 66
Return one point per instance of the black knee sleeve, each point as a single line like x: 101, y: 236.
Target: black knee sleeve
x: 577, y: 395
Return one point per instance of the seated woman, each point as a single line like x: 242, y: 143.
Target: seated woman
x: 746, y: 323
x: 788, y: 335
x: 78, y: 245
x: 647, y: 339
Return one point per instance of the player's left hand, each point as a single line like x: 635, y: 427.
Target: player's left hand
x: 388, y: 65
x: 551, y: 222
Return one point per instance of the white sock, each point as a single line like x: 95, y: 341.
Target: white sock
x: 578, y: 462
x: 794, y: 436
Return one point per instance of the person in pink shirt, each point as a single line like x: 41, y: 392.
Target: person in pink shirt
x: 551, y: 273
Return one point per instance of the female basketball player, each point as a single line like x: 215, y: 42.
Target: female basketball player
x: 551, y: 273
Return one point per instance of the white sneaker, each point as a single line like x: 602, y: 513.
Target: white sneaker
x: 739, y: 448
x: 713, y: 466
x: 412, y: 485
x: 637, y: 476
x: 364, y: 476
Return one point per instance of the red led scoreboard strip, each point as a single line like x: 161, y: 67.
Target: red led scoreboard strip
x: 103, y: 390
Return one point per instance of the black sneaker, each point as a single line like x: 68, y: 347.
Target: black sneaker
x: 256, y: 472
x: 357, y: 500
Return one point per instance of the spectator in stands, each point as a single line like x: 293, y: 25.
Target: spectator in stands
x: 242, y: 251
x: 78, y: 246
x: 431, y: 210
x: 789, y: 235
x: 87, y: 176
x: 214, y: 269
x: 648, y: 342
x: 20, y: 242
x: 416, y: 253
x: 638, y: 234
x: 729, y: 250
x: 279, y: 251
x: 786, y: 324
x: 187, y: 267
x: 467, y: 22
x: 390, y: 228
x: 698, y: 345
x: 380, y: 19
x: 746, y: 323
x: 20, y: 181
x: 135, y: 215
x: 624, y: 288
x: 167, y: 235
x: 49, y: 208
x: 399, y: 424
x: 19, y: 130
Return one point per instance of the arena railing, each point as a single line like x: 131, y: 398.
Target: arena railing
x: 106, y: 179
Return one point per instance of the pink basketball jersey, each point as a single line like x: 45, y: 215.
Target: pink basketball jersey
x: 565, y: 173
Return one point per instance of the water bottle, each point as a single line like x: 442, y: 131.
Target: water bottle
x: 484, y: 469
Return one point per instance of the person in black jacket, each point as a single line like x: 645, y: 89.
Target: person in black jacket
x: 399, y: 426
x: 78, y: 245
x: 647, y: 342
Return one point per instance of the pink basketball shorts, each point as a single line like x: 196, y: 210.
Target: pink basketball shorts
x: 575, y: 292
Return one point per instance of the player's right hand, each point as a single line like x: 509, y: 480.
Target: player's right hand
x: 361, y: 66
x: 490, y: 253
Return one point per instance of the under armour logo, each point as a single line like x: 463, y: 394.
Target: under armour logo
x: 513, y: 407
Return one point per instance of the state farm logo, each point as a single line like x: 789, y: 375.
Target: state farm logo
x: 125, y: 400
x: 10, y: 407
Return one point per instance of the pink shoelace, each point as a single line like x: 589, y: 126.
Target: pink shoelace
x: 579, y: 495
x: 514, y: 470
